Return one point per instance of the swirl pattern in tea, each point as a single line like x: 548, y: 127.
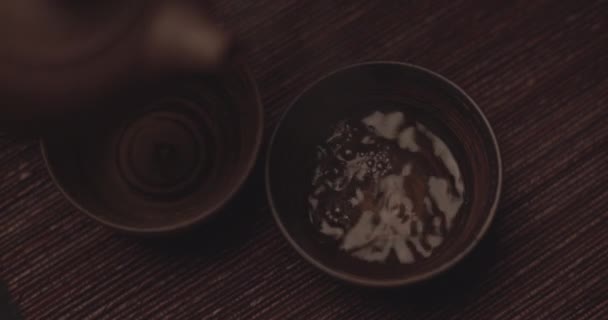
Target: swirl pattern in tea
x: 386, y: 188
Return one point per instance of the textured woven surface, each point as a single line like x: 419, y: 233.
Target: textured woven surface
x: 538, y: 69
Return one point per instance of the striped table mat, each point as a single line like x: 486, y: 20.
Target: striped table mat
x: 537, y: 68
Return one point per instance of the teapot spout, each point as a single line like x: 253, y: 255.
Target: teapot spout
x: 181, y: 38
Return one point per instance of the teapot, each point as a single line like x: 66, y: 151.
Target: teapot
x: 58, y: 57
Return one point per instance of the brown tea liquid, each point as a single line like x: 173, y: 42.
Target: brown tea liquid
x: 386, y: 188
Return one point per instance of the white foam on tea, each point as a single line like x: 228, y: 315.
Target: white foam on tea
x: 442, y: 151
x: 407, y: 140
x: 333, y: 232
x: 391, y: 226
x: 388, y: 229
x: 447, y: 202
x: 385, y: 125
x: 357, y: 199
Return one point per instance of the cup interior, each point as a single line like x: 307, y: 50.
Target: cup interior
x: 355, y: 92
x: 161, y: 158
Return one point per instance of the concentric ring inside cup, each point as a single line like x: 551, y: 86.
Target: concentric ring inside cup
x: 169, y: 150
x: 171, y: 158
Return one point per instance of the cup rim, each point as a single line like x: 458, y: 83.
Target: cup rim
x: 204, y: 215
x: 361, y: 280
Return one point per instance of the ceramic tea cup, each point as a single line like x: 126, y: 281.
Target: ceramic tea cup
x: 166, y: 158
x: 383, y: 174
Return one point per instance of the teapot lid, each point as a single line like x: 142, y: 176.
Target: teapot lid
x: 70, y: 54
x: 57, y: 32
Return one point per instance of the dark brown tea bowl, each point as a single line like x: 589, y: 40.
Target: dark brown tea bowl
x: 162, y: 157
x: 383, y: 174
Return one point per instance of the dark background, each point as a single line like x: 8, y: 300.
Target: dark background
x: 538, y: 69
